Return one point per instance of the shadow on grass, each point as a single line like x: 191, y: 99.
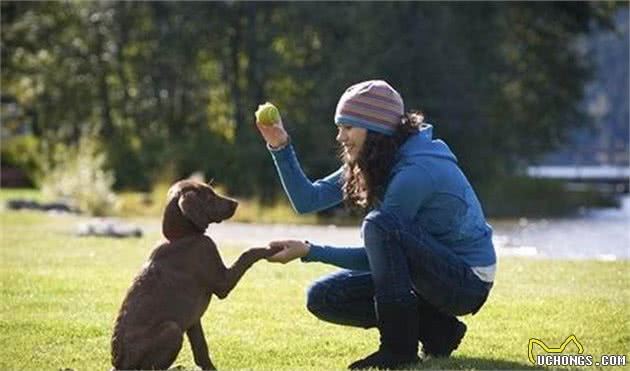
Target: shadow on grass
x: 475, y: 363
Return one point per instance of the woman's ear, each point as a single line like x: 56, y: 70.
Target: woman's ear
x: 194, y: 209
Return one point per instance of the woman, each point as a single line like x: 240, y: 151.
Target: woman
x: 428, y: 253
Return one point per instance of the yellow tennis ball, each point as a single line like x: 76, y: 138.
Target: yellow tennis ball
x: 267, y: 114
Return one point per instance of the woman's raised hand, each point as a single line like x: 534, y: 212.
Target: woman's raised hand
x: 274, y: 134
x: 291, y: 250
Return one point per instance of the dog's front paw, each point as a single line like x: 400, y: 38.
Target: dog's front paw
x: 258, y: 253
x: 272, y: 250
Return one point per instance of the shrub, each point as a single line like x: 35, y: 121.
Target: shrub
x: 78, y: 175
x: 22, y: 152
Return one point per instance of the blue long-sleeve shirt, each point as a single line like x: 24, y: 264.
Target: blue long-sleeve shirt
x: 426, y: 189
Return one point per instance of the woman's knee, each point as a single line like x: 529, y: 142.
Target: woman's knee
x: 332, y: 294
x: 379, y: 224
x: 344, y: 298
x: 316, y: 297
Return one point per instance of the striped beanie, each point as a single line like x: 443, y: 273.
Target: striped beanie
x: 373, y: 105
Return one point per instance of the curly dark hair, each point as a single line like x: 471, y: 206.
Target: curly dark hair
x: 365, y: 179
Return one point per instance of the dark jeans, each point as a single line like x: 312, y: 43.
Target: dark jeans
x: 405, y: 266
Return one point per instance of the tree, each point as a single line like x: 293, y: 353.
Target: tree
x: 173, y: 85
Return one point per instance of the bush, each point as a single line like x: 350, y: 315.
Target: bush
x: 22, y: 153
x: 78, y: 175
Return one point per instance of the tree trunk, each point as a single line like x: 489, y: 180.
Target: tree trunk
x: 123, y: 35
x: 107, y: 126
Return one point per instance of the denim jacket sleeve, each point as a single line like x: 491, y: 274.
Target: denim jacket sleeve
x: 305, y: 196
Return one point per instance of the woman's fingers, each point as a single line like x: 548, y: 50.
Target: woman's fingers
x: 274, y: 135
x: 274, y: 250
x: 291, y: 250
x: 279, y: 243
x: 281, y: 257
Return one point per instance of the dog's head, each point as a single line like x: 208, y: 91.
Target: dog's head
x: 192, y: 205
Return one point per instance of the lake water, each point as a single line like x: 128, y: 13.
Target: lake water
x: 602, y: 234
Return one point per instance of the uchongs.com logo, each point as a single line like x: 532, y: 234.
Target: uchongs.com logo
x: 558, y: 356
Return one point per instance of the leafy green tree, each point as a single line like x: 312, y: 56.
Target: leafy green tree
x: 171, y: 87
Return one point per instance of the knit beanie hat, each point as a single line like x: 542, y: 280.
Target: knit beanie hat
x: 373, y: 105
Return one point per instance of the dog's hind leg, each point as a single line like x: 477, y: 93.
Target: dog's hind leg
x: 166, y: 342
x: 199, y: 346
x: 126, y: 351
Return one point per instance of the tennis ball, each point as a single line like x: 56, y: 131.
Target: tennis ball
x: 267, y: 114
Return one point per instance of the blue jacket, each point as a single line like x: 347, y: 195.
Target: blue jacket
x: 427, y: 190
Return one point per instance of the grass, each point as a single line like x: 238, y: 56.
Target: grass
x: 60, y: 295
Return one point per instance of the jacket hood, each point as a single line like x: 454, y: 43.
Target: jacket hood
x: 423, y: 144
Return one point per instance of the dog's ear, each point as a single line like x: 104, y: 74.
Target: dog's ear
x: 194, y: 209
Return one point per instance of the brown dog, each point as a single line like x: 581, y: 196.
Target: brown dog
x: 173, y: 290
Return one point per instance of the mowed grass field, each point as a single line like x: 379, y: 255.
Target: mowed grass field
x: 61, y: 293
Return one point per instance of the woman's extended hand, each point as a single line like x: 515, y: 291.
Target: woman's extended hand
x: 291, y: 250
x: 274, y: 135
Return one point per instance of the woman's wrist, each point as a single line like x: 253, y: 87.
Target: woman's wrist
x: 310, y: 249
x: 278, y: 146
x: 307, y: 250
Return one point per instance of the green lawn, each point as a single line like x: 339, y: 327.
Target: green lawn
x: 60, y: 295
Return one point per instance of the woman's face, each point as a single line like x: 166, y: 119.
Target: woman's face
x: 351, y: 139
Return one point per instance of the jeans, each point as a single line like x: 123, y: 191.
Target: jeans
x: 405, y: 266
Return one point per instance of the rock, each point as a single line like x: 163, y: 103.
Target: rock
x: 22, y: 204
x: 103, y: 227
